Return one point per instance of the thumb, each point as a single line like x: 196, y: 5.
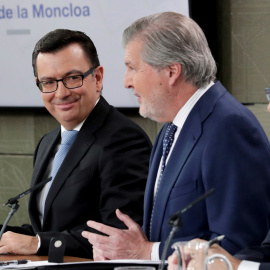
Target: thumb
x: 125, y: 218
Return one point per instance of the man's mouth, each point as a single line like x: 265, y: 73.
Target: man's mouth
x: 65, y: 105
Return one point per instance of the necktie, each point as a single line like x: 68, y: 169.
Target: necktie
x: 167, y: 144
x: 68, y: 138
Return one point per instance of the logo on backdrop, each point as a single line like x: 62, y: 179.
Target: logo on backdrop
x: 43, y: 11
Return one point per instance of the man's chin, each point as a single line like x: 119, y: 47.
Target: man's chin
x: 147, y: 114
x: 154, y: 115
x: 142, y: 112
x: 144, y: 116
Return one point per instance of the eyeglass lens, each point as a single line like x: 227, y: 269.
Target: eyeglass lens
x: 69, y: 82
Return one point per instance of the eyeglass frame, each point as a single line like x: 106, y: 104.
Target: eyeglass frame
x: 84, y: 75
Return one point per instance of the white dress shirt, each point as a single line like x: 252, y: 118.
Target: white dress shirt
x: 179, y: 121
x: 248, y: 265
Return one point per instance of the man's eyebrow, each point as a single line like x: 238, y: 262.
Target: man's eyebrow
x: 74, y: 71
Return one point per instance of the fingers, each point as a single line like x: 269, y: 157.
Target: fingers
x: 173, y: 258
x: 125, y: 244
x: 4, y: 250
x: 95, y: 238
x: 110, y: 230
x: 130, y: 223
x: 172, y: 262
x: 101, y: 227
x: 100, y: 243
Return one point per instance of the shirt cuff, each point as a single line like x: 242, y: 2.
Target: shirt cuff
x: 248, y: 265
x: 39, y: 242
x: 155, y: 252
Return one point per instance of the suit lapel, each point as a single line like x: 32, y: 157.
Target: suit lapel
x: 266, y: 241
x: 81, y: 145
x: 184, y: 145
x: 188, y: 138
x: 150, y: 185
x: 76, y: 152
x: 41, y: 163
x: 52, y: 139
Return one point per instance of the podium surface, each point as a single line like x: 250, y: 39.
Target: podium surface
x: 35, y: 258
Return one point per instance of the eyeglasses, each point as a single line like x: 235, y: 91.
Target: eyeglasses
x: 70, y: 82
x: 267, y: 92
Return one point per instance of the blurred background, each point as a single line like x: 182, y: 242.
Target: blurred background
x: 238, y: 33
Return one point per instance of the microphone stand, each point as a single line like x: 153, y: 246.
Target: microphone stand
x: 13, y: 203
x: 14, y: 207
x: 175, y: 222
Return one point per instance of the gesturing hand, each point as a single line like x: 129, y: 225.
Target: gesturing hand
x: 119, y: 244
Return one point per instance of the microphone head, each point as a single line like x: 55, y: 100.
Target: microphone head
x: 11, y: 201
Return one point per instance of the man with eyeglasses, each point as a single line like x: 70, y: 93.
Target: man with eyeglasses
x: 105, y: 167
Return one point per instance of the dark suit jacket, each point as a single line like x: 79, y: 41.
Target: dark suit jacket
x: 257, y: 254
x: 221, y: 146
x: 264, y: 266
x: 106, y: 168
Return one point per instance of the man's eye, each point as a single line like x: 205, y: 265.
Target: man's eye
x: 48, y: 82
x: 72, y: 78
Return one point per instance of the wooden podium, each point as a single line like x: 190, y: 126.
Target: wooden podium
x: 34, y: 258
x: 71, y: 263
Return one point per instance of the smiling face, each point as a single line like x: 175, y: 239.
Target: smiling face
x: 69, y: 106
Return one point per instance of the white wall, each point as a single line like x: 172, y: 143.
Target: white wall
x: 23, y: 23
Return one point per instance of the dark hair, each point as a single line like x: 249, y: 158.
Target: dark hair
x: 58, y: 39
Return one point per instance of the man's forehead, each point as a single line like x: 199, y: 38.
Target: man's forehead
x: 133, y: 52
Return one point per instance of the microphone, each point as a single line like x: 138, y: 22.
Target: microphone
x: 175, y: 222
x: 13, y: 202
x: 15, y: 199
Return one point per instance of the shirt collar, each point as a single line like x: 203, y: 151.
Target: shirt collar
x: 182, y: 115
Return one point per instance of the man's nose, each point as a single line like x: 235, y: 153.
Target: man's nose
x: 62, y: 91
x: 128, y: 81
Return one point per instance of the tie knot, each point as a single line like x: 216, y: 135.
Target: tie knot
x: 68, y: 137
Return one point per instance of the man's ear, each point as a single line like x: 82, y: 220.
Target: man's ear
x: 174, y: 72
x: 99, y: 77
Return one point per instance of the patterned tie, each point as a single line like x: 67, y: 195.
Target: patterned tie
x: 68, y: 138
x: 167, y: 144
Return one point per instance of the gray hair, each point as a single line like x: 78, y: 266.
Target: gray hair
x: 171, y: 37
